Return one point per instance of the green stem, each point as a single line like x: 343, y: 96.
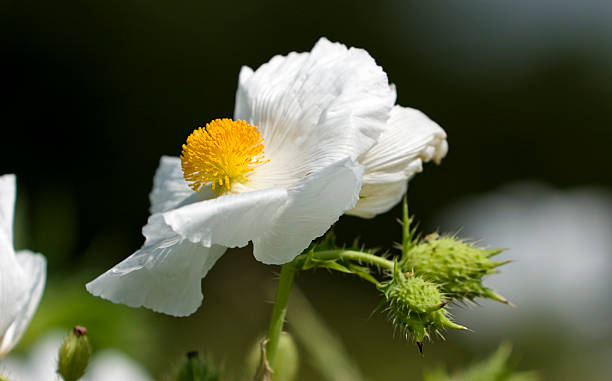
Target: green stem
x: 279, y: 311
x: 356, y: 256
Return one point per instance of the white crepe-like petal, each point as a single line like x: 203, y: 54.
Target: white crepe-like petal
x: 13, y: 283
x: 164, y: 275
x: 410, y: 139
x: 376, y: 199
x: 34, y: 269
x: 7, y: 206
x: 313, y: 109
x: 12, y: 289
x: 170, y: 190
x: 22, y: 276
x: 230, y: 220
x: 314, y: 205
x: 113, y: 365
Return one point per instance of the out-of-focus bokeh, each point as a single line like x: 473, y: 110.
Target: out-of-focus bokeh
x: 96, y: 92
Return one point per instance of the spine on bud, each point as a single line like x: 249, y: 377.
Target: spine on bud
x: 456, y: 266
x: 416, y: 306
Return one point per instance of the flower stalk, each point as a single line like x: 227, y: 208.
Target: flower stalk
x: 279, y: 311
x: 353, y: 255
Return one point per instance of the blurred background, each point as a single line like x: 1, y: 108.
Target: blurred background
x: 96, y: 92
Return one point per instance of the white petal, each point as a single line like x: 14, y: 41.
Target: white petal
x: 170, y: 190
x: 33, y: 271
x: 230, y: 220
x: 7, y: 206
x: 378, y: 198
x: 313, y: 109
x: 410, y: 139
x: 115, y: 366
x: 41, y: 364
x: 12, y: 286
x: 164, y: 275
x: 314, y: 205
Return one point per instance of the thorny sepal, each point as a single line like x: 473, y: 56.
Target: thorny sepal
x: 416, y: 306
x: 308, y: 260
x: 456, y: 266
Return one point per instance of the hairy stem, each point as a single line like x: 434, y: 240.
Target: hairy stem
x: 279, y: 311
x: 356, y: 256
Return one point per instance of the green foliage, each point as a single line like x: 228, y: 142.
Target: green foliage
x: 310, y: 260
x: 458, y: 267
x: 74, y: 355
x: 495, y: 368
x: 197, y: 369
x: 416, y: 306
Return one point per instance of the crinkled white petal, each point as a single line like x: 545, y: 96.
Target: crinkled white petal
x: 378, y: 198
x: 313, y: 109
x: 314, y: 205
x: 410, y: 139
x: 12, y: 289
x: 13, y: 282
x: 41, y: 363
x: 164, y: 275
x: 115, y: 366
x: 33, y: 268
x: 7, y: 206
x: 230, y: 220
x: 170, y: 190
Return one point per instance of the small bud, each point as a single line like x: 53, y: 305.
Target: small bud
x: 196, y: 369
x: 287, y: 359
x: 74, y: 354
x: 456, y: 266
x: 416, y: 306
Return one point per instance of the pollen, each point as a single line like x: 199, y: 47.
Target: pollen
x: 223, y: 153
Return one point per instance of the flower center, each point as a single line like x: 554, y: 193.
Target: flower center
x: 222, y: 153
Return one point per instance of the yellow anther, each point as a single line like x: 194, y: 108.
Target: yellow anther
x: 222, y: 153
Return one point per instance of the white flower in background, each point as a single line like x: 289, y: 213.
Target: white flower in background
x: 22, y: 274
x: 41, y: 364
x: 311, y: 129
x: 561, y: 248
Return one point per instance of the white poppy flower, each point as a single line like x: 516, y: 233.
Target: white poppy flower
x: 22, y: 274
x: 294, y: 161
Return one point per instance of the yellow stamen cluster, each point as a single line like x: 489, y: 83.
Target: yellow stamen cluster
x: 222, y: 153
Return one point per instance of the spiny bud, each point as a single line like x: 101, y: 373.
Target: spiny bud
x: 74, y: 354
x: 196, y: 369
x: 416, y: 306
x: 456, y: 266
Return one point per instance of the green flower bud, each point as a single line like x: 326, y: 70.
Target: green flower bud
x: 416, y: 306
x: 456, y: 266
x: 74, y: 355
x: 287, y: 358
x: 197, y: 369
